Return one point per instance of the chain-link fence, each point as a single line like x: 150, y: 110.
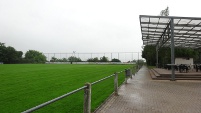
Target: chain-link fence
x: 122, y: 56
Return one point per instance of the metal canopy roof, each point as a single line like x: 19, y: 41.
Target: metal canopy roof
x: 156, y: 31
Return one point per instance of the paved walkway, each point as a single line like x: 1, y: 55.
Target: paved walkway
x: 144, y: 95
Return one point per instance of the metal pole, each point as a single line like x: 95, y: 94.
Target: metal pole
x: 131, y: 73
x: 157, y: 57
x: 87, y: 98
x: 73, y: 60
x: 48, y: 57
x: 111, y: 56
x: 115, y: 84
x: 138, y: 67
x: 172, y: 49
x: 200, y: 56
x: 138, y: 56
x: 126, y: 76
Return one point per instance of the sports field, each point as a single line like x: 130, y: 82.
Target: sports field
x: 23, y: 86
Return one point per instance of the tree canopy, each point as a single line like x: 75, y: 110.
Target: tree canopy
x: 9, y: 55
x: 33, y: 56
x: 74, y: 59
x: 165, y: 12
x: 54, y: 59
x: 93, y: 59
x: 149, y: 53
x: 115, y: 60
x: 164, y: 54
x: 104, y: 59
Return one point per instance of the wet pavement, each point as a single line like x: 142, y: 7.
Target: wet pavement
x: 144, y: 95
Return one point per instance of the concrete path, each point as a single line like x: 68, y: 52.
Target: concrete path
x: 144, y: 95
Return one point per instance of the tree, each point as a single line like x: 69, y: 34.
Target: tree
x: 165, y: 12
x: 2, y: 44
x: 140, y: 62
x: 164, y: 54
x: 64, y: 60
x: 9, y: 55
x: 149, y: 53
x: 93, y: 59
x: 2, y: 52
x: 33, y: 56
x: 90, y: 60
x: 115, y: 60
x: 104, y: 59
x: 53, y: 59
x: 186, y: 52
x: 96, y: 59
x: 19, y: 56
x: 74, y: 59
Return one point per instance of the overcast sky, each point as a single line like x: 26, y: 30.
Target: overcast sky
x: 82, y: 25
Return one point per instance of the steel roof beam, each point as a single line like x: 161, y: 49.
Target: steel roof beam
x: 168, y: 17
x: 154, y: 29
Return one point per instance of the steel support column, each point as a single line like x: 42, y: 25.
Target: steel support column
x: 156, y: 57
x: 172, y: 50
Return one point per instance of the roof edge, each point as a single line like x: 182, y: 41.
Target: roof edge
x: 174, y: 17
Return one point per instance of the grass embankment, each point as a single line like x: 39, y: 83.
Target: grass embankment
x: 25, y: 86
x: 151, y: 67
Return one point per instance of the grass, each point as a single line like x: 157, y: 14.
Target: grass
x: 151, y: 67
x: 26, y: 85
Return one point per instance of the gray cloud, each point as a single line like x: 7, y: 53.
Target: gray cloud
x: 80, y: 25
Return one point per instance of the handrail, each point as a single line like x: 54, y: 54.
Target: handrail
x: 53, y: 100
x: 104, y: 78
x: 65, y: 95
x: 101, y: 79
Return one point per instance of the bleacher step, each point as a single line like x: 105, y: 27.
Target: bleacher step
x: 153, y: 76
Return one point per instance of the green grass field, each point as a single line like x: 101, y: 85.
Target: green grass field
x: 26, y: 85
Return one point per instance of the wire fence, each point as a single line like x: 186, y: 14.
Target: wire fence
x: 122, y: 56
x: 87, y: 91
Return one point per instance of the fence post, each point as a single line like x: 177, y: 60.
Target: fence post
x: 116, y: 84
x: 131, y: 74
x: 87, y: 98
x: 126, y: 76
x: 137, y: 68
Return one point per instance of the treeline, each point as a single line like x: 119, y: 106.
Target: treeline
x: 9, y: 55
x: 75, y: 59
x: 164, y: 54
x: 102, y: 59
x: 70, y: 59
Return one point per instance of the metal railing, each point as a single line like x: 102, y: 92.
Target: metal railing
x: 87, y: 91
